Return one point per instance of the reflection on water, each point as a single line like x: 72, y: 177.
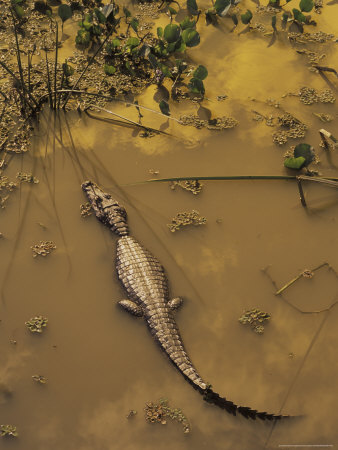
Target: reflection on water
x: 100, y: 362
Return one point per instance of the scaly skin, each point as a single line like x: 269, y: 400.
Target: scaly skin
x: 144, y: 279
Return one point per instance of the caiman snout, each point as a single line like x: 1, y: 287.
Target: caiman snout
x: 106, y: 209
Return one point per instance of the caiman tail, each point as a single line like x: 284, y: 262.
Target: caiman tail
x: 146, y: 284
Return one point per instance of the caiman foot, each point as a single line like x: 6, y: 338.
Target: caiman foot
x: 175, y: 303
x: 131, y: 307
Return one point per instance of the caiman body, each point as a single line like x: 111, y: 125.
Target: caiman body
x: 145, y: 282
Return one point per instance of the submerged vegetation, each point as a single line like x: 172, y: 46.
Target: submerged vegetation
x: 255, y: 318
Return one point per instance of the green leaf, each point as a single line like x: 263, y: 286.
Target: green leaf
x: 222, y: 7
x: 133, y: 42
x: 19, y: 11
x: 172, y: 10
x: 298, y: 15
x: 97, y: 30
x: 83, y: 37
x: 171, y: 47
x: 187, y: 23
x: 192, y: 7
x: 134, y: 24
x: 273, y: 22
x: 164, y: 107
x: 65, y: 12
x: 128, y: 66
x: 234, y: 19
x: 100, y: 16
x: 126, y: 11
x: 190, y: 37
x: 285, y: 17
x: 201, y: 73
x: 153, y: 61
x: 87, y: 25
x: 159, y: 32
x: 165, y: 70
x: 306, y: 5
x: 109, y: 70
x: 294, y: 163
x: 305, y: 151
x: 210, y: 16
x: 196, y: 86
x: 182, y: 48
x: 67, y: 69
x: 172, y: 33
x: 246, y: 17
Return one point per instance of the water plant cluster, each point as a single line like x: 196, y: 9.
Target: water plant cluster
x: 37, y: 324
x: 161, y: 411
x: 255, y: 318
x: 183, y: 219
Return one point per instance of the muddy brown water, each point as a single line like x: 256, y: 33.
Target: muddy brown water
x: 100, y: 362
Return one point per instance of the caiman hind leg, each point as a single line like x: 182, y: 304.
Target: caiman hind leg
x: 132, y: 307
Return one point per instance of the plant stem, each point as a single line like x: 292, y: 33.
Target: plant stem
x: 18, y: 56
x: 301, y: 193
x: 48, y: 84
x: 56, y: 60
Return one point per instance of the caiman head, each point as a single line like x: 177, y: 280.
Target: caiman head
x: 106, y: 209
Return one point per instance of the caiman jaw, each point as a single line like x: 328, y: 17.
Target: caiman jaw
x: 106, y: 209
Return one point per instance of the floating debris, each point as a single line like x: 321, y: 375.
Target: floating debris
x: 8, y: 430
x: 318, y: 4
x: 44, y: 248
x: 161, y: 411
x: 13, y: 341
x: 39, y: 379
x: 307, y: 273
x: 308, y: 96
x: 221, y: 98
x: 291, y: 127
x: 154, y: 172
x: 319, y: 37
x: 324, y: 117
x: 5, y: 183
x: 131, y: 413
x: 258, y: 117
x: 255, y: 318
x: 221, y: 123
x: 186, y: 218
x: 28, y: 177
x: 86, y: 209
x: 194, y: 186
x: 314, y: 58
x: 37, y: 324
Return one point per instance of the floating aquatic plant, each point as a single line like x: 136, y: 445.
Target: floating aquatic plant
x: 8, y: 430
x: 39, y: 379
x: 27, y: 177
x: 161, y: 411
x: 131, y: 413
x: 183, y: 219
x: 43, y: 248
x: 255, y: 318
x: 303, y: 155
x: 36, y: 324
x: 193, y: 186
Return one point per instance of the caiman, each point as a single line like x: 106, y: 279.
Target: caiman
x: 144, y: 279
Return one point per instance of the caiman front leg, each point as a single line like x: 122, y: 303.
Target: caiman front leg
x: 175, y: 303
x: 132, y: 307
